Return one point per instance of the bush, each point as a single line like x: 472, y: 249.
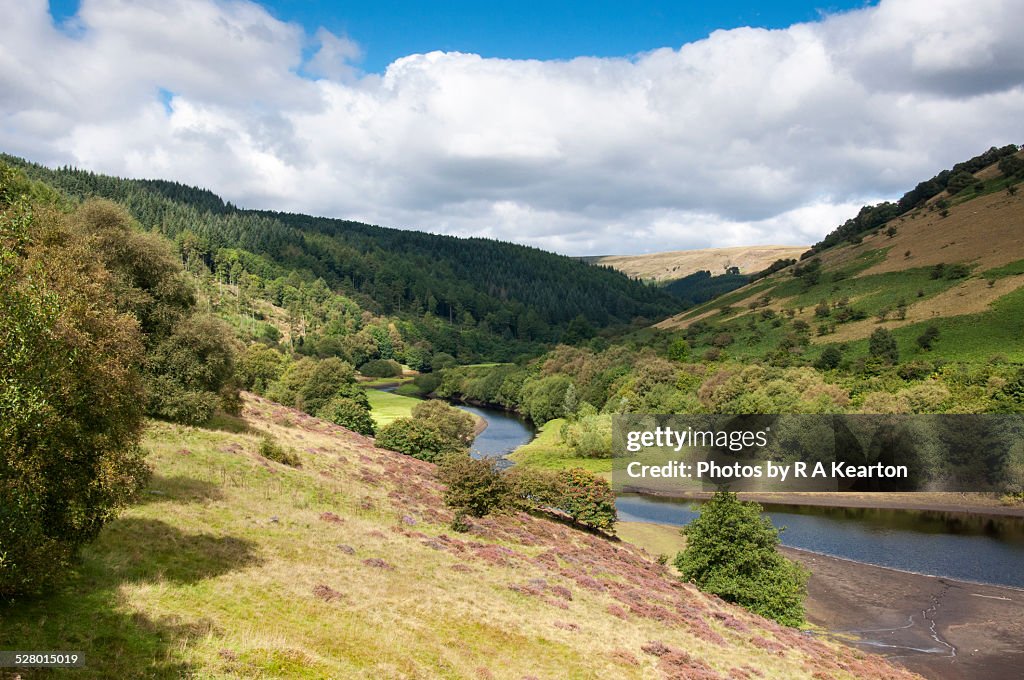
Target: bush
x: 415, y: 438
x: 829, y: 359
x: 71, y: 396
x: 348, y: 412
x: 474, y: 486
x: 731, y: 552
x: 456, y: 426
x: 271, y: 449
x: 579, y: 493
x: 882, y: 346
x: 587, y: 498
x: 928, y: 337
x: 191, y: 371
x: 381, y: 368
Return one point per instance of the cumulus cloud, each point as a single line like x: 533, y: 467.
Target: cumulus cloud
x: 747, y: 136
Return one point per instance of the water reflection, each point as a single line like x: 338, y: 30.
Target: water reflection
x: 954, y: 545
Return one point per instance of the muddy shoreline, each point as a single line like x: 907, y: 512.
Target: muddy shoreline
x: 938, y: 627
x: 935, y: 501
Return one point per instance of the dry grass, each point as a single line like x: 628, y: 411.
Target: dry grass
x: 668, y: 266
x: 238, y: 567
x: 985, y: 231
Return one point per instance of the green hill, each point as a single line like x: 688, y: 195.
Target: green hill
x: 506, y: 293
x: 954, y: 260
x: 235, y: 566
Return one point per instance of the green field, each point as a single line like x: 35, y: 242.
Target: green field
x: 386, y: 407
x: 969, y: 338
x: 548, y: 451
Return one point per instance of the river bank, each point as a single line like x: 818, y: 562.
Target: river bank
x: 934, y: 501
x: 938, y: 627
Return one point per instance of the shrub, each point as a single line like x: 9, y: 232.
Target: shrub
x: 829, y: 359
x: 731, y: 552
x: 190, y: 369
x: 349, y: 413
x: 455, y: 426
x: 579, y: 493
x: 587, y: 498
x: 71, y: 397
x: 271, y: 449
x: 381, y: 368
x: 415, y: 438
x: 474, y: 486
x: 882, y: 346
x: 928, y: 337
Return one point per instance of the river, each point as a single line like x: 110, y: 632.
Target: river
x: 954, y: 545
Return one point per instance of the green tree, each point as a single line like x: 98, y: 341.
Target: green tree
x: 679, y: 350
x: 578, y: 330
x: 731, y: 552
x: 474, y: 486
x: 928, y: 337
x: 258, y: 366
x: 830, y: 358
x: 455, y: 426
x: 415, y: 438
x: 325, y: 381
x: 587, y: 498
x: 71, y: 395
x: 348, y: 412
x: 189, y: 372
x: 882, y: 346
x: 381, y: 368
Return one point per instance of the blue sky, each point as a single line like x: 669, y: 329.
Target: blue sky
x: 387, y: 30
x: 487, y: 123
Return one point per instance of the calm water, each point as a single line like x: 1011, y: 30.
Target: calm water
x: 504, y: 434
x: 965, y: 547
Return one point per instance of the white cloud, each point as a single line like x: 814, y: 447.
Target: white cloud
x: 747, y: 136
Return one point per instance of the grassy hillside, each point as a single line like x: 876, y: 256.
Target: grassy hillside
x: 235, y: 566
x: 672, y: 265
x: 504, y: 292
x: 956, y: 262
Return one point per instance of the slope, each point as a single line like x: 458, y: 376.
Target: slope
x: 511, y: 291
x: 675, y: 264
x: 236, y: 566
x: 956, y: 262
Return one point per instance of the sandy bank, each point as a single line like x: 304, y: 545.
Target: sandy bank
x: 938, y: 627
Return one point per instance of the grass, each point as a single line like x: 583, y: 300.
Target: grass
x: 656, y: 539
x: 970, y: 338
x: 386, y: 407
x: 547, y: 450
x: 377, y: 382
x: 1015, y: 268
x: 232, y: 566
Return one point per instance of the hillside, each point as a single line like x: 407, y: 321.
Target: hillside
x: 236, y: 566
x: 956, y: 262
x: 675, y: 264
x: 500, y: 296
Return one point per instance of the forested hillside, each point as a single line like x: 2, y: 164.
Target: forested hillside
x: 498, y: 290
